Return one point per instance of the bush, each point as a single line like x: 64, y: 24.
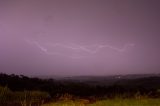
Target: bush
x: 25, y: 98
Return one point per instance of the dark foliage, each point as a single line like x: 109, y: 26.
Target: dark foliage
x: 125, y: 87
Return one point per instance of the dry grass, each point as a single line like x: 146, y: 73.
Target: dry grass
x: 110, y: 102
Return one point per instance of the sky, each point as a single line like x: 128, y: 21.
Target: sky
x: 79, y: 37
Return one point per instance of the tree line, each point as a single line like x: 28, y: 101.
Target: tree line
x: 23, y: 88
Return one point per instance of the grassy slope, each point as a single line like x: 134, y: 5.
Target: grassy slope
x: 113, y: 102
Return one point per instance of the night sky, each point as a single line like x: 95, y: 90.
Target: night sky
x: 79, y: 37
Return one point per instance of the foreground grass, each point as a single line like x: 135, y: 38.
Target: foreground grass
x: 110, y: 102
x: 128, y: 102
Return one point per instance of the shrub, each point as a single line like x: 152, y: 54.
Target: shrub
x: 25, y: 98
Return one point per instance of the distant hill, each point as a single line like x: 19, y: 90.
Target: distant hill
x: 85, y: 86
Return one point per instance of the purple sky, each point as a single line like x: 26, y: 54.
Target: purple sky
x: 79, y: 37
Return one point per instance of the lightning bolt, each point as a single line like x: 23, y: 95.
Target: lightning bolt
x: 76, y: 48
x: 97, y: 47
